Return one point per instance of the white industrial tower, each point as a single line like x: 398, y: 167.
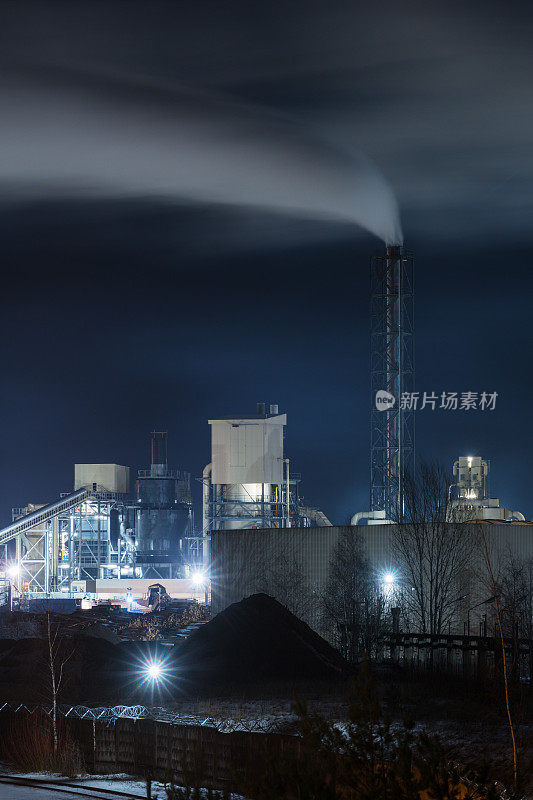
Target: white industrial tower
x: 247, y: 483
x: 470, y: 492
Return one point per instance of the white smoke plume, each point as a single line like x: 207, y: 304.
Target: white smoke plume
x: 74, y: 134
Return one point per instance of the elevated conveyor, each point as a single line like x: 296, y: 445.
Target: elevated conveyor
x: 47, y: 512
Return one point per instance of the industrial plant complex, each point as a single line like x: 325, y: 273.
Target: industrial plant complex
x: 266, y: 528
x: 113, y: 537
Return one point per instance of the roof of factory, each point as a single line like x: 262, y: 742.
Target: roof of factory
x: 500, y: 522
x: 245, y: 417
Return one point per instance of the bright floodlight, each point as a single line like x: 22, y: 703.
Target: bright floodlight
x: 389, y: 578
x: 154, y: 671
x: 13, y: 570
x: 198, y: 578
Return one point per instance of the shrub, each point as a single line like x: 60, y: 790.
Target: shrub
x: 365, y: 759
x: 27, y: 744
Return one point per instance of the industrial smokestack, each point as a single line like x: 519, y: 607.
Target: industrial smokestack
x: 394, y: 251
x: 274, y: 409
x: 159, y: 460
x: 392, y: 377
x: 261, y: 409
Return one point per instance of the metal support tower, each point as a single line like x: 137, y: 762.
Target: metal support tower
x: 67, y: 540
x: 86, y: 548
x: 392, y: 370
x: 251, y: 511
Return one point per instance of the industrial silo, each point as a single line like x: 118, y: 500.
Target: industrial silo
x: 162, y: 516
x: 246, y: 485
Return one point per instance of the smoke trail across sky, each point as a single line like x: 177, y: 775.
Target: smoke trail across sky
x: 75, y: 134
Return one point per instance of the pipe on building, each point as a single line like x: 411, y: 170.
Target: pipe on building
x: 515, y: 515
x: 287, y: 493
x: 206, y: 485
x: 317, y: 516
x: 372, y: 518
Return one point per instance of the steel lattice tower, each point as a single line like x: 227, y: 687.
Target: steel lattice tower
x: 392, y: 370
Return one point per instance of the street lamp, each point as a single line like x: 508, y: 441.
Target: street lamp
x: 483, y: 602
x: 201, y: 581
x: 389, y: 579
x: 155, y: 671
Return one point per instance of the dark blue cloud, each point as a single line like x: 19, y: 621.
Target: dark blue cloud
x: 119, y: 316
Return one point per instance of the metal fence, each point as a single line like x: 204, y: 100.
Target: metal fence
x: 267, y: 724
x: 471, y: 657
x: 132, y: 739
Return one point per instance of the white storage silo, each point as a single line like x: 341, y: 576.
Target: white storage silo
x: 244, y: 486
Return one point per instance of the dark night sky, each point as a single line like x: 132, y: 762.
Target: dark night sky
x: 125, y: 308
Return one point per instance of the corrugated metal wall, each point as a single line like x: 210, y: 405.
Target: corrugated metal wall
x: 242, y: 558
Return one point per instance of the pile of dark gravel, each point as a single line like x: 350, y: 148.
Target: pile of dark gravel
x: 257, y: 639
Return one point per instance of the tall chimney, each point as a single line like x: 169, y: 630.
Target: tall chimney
x: 159, y: 453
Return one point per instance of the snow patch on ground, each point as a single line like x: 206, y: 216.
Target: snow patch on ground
x: 119, y: 782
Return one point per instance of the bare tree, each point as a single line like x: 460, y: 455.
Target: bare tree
x: 286, y: 583
x: 433, y: 551
x: 516, y: 590
x: 289, y: 585
x: 57, y: 658
x: 352, y: 603
x: 496, y: 589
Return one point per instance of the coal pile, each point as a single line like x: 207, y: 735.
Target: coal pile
x: 95, y: 670
x: 89, y: 665
x: 256, y: 640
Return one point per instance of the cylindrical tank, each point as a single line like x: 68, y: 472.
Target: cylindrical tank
x: 157, y: 492
x: 162, y: 518
x: 251, y: 500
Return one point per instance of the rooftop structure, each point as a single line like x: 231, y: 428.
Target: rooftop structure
x: 470, y: 491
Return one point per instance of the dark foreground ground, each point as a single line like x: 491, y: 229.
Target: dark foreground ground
x: 246, y: 670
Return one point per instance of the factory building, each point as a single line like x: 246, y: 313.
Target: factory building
x: 262, y: 534
x: 248, y: 482
x: 76, y: 536
x: 101, y: 532
x: 106, y: 530
x: 293, y: 564
x: 163, y: 516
